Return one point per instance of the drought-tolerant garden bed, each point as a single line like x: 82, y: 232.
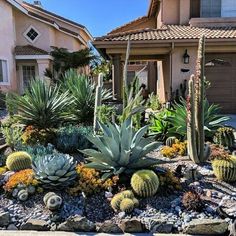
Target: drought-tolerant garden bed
x: 173, y: 172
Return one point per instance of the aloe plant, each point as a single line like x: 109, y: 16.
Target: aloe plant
x: 120, y: 149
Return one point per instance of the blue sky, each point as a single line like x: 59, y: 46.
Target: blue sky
x: 99, y: 16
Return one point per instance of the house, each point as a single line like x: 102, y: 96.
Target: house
x: 167, y: 39
x: 27, y: 32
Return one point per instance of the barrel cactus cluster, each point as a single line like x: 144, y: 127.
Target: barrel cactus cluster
x: 145, y: 183
x: 124, y: 201
x: 225, y: 137
x: 52, y: 201
x: 56, y: 170
x: 225, y: 169
x: 18, y: 161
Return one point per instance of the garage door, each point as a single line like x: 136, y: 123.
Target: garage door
x: 221, y: 72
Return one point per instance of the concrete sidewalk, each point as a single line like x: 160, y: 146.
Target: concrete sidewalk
x: 34, y: 233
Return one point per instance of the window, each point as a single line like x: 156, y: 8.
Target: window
x: 28, y: 74
x: 3, y: 71
x: 210, y: 8
x: 31, y: 34
x: 228, y: 8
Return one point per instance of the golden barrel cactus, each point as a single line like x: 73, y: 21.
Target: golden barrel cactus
x: 145, y: 183
x: 18, y: 161
x: 127, y: 205
x: 225, y: 169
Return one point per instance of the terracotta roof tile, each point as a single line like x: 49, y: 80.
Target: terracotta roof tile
x: 29, y: 50
x: 173, y: 32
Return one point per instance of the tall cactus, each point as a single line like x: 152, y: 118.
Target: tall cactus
x: 98, y: 101
x: 195, y: 109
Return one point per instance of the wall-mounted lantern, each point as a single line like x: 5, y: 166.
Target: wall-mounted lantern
x: 186, y: 57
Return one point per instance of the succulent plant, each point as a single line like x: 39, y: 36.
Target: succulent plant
x: 18, y: 161
x: 124, y: 201
x: 120, y: 149
x: 225, y: 169
x: 170, y: 141
x: 52, y: 201
x: 31, y: 189
x: 127, y: 205
x: 56, y: 170
x: 22, y: 195
x: 191, y: 201
x: 225, y: 137
x: 145, y: 183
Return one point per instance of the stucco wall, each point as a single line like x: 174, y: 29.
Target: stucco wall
x: 7, y: 45
x: 170, y: 11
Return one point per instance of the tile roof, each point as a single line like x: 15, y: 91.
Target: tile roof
x: 29, y: 50
x: 172, y: 32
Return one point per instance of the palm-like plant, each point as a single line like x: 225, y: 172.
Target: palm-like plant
x: 120, y: 149
x: 42, y: 106
x: 82, y: 90
x: 212, y: 119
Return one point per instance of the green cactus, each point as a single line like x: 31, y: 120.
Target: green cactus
x: 225, y: 169
x: 195, y: 110
x: 170, y: 141
x: 52, y: 201
x: 118, y: 203
x: 22, y: 195
x: 18, y: 161
x: 225, y: 137
x: 145, y: 183
x: 127, y: 205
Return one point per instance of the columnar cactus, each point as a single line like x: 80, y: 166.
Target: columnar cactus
x: 195, y: 110
x: 98, y: 101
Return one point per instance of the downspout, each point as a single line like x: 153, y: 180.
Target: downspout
x: 171, y: 67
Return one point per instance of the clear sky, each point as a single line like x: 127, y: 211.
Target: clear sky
x: 99, y: 16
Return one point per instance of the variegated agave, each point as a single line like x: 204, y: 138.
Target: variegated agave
x: 55, y: 170
x: 120, y: 149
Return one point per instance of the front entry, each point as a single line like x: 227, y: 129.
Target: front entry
x: 221, y: 72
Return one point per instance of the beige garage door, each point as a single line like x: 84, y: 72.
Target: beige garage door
x: 221, y: 72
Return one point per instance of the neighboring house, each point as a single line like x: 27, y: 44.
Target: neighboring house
x: 27, y: 33
x: 167, y: 37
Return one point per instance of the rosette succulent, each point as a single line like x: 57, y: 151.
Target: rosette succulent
x: 56, y: 170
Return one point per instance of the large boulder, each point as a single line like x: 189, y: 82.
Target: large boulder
x: 108, y: 227
x: 131, y: 226
x: 37, y: 225
x: 207, y: 227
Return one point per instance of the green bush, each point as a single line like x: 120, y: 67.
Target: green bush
x: 71, y: 138
x: 105, y: 113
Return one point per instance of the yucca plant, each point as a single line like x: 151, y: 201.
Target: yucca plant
x: 212, y: 120
x: 42, y: 106
x: 120, y: 149
x: 82, y: 90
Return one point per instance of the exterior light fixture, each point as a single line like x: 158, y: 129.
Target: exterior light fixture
x: 186, y: 57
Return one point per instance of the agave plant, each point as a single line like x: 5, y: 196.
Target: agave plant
x: 212, y: 120
x: 82, y: 90
x: 55, y: 170
x: 120, y: 149
x: 42, y: 106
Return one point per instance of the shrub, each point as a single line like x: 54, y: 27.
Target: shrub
x: 192, y: 201
x: 105, y: 113
x: 225, y: 169
x: 71, y: 138
x: 56, y: 170
x: 42, y: 106
x: 18, y: 161
x: 89, y: 182
x: 218, y: 152
x: 33, y: 136
x: 145, y: 183
x: 120, y: 149
x: 12, y: 135
x: 154, y: 102
x: 23, y: 177
x: 82, y: 89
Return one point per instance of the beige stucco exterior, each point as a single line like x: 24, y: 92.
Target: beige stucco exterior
x: 18, y: 17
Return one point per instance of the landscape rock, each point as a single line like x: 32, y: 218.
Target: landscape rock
x: 161, y: 227
x: 109, y: 227
x: 131, y: 226
x: 4, y: 219
x: 77, y: 223
x: 34, y: 224
x: 12, y: 227
x: 206, y: 227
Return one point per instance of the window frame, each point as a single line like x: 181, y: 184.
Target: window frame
x: 27, y: 37
x: 7, y: 82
